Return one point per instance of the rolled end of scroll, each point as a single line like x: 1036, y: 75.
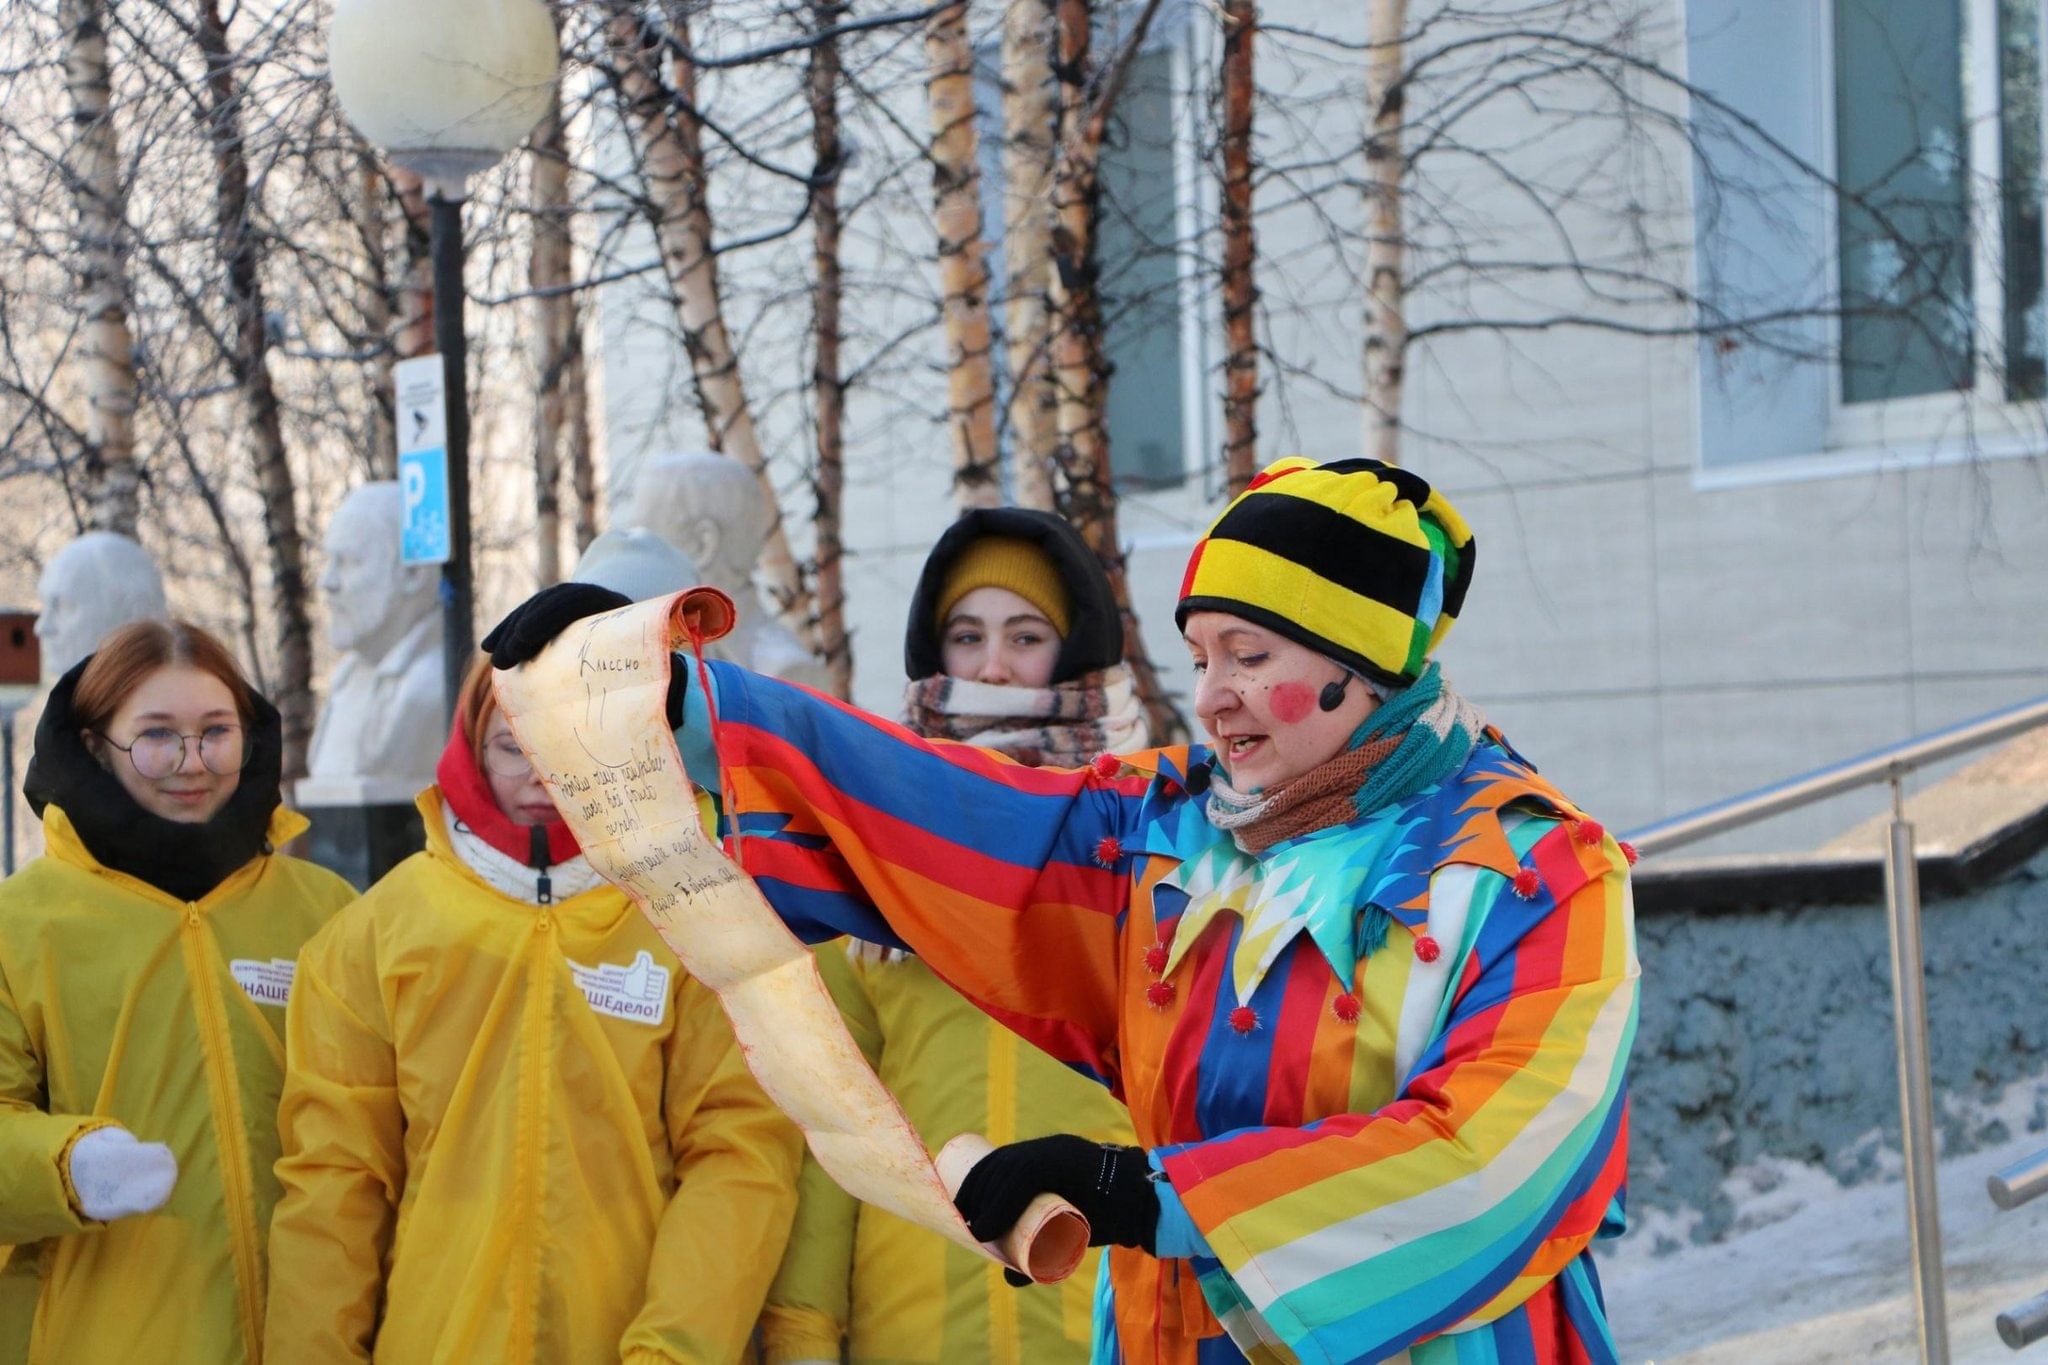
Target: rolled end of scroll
x: 702, y: 614
x: 1051, y: 1236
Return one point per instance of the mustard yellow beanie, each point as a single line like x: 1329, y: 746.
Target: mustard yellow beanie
x: 1007, y: 562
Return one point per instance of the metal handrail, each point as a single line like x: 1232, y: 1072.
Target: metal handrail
x: 1880, y: 765
x: 2023, y: 1324
x: 2021, y: 1181
x: 1909, y: 978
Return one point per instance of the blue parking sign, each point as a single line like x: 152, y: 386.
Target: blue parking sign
x: 423, y: 482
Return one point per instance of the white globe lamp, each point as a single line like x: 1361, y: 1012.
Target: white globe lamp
x: 447, y: 87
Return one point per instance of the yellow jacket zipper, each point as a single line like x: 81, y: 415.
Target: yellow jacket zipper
x: 533, y: 1069
x: 227, y: 1123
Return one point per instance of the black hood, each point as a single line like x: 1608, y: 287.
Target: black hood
x: 1095, y: 635
x: 181, y: 859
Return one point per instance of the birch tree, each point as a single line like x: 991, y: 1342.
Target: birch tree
x: 106, y: 344
x: 248, y: 360
x: 827, y: 383
x: 1240, y: 293
x: 963, y: 267
x: 668, y: 141
x: 1029, y: 111
x: 1080, y: 371
x: 375, y: 305
x: 1386, y: 307
x: 561, y: 426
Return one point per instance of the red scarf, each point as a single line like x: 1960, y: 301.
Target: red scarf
x: 467, y: 792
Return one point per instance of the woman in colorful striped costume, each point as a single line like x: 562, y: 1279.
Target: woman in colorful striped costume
x: 1366, y: 982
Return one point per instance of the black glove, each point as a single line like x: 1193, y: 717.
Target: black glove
x: 528, y: 627
x: 1110, y: 1185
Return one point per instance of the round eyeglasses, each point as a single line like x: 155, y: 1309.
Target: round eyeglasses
x: 160, y: 751
x: 505, y: 758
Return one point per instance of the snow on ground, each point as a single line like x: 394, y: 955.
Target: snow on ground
x: 1823, y: 1274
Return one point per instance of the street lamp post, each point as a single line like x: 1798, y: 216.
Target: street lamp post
x: 458, y: 617
x: 446, y: 87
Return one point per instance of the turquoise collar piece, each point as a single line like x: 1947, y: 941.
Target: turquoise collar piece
x: 1318, y: 884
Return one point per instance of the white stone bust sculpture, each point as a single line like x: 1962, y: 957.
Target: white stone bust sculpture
x: 384, y: 723
x: 635, y: 561
x: 710, y: 508
x: 96, y: 584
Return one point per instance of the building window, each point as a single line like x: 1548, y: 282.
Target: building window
x: 1154, y: 337
x: 1137, y: 252
x: 1907, y: 104
x: 1903, y: 216
x: 1906, y: 298
x: 2021, y: 189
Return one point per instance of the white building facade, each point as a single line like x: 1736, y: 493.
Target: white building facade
x: 1705, y: 563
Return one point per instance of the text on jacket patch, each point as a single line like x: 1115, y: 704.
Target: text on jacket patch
x: 638, y: 992
x: 267, y: 983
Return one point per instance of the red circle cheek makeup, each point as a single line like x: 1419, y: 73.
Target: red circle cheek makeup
x: 1291, y: 702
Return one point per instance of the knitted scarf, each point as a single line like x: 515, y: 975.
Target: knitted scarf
x: 1412, y: 740
x: 466, y: 791
x: 1061, y: 726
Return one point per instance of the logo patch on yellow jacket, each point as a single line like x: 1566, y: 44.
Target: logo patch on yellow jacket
x: 638, y: 992
x: 267, y: 983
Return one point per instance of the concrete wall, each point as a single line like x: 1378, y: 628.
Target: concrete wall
x: 1655, y: 630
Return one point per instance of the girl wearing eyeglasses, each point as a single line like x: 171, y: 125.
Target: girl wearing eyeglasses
x: 145, y: 965
x: 514, y: 1129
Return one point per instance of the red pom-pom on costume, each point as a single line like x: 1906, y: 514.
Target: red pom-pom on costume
x: 1589, y: 832
x: 1527, y: 884
x: 1106, y: 765
x: 1427, y: 949
x: 1108, y: 850
x: 1155, y: 958
x: 1244, y: 1018
x: 1628, y: 851
x: 1159, y: 994
x: 1345, y: 1007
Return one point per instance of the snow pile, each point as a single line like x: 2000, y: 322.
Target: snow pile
x: 1813, y: 1272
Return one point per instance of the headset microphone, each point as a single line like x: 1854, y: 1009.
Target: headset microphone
x: 1333, y: 693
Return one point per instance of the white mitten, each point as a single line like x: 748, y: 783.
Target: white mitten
x: 116, y: 1176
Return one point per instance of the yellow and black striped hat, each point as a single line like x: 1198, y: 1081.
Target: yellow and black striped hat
x: 1357, y: 559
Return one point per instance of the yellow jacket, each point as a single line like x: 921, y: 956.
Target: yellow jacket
x: 898, y: 1293
x: 516, y: 1132
x: 122, y: 1005
x: 19, y: 1286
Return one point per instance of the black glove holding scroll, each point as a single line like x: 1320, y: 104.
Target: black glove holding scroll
x: 532, y: 625
x: 1110, y: 1185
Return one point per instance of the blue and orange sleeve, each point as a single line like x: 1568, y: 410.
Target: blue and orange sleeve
x: 1008, y: 881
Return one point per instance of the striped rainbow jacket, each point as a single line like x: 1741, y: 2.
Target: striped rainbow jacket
x: 1381, y: 1065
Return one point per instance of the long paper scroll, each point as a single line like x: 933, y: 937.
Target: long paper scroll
x: 591, y: 714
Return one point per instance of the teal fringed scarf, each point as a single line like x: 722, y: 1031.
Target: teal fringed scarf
x: 1437, y: 730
